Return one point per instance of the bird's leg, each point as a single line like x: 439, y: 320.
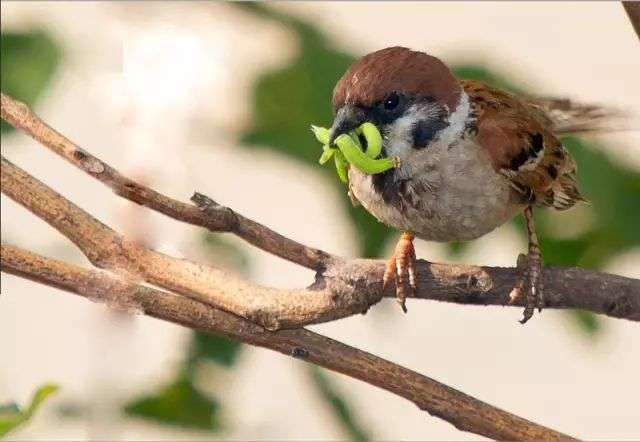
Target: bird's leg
x: 530, y: 270
x: 401, y: 265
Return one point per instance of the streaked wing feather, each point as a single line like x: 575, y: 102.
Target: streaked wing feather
x: 523, y: 148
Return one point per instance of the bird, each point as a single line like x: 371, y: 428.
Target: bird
x: 469, y: 157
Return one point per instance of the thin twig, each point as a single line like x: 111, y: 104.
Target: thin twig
x: 633, y: 11
x: 464, y: 412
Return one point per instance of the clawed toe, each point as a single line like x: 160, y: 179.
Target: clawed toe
x: 401, y: 267
x: 530, y: 266
x: 530, y: 286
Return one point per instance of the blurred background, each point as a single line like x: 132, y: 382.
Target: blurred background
x: 219, y: 97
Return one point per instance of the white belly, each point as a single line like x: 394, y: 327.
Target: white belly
x: 460, y: 197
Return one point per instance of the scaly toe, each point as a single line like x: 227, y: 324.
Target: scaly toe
x: 402, y: 269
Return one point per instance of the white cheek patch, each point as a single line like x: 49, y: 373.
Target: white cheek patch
x: 399, y: 135
x: 398, y: 138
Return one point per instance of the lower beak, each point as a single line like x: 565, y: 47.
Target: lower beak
x: 348, y: 118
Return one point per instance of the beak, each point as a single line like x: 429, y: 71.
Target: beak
x: 348, y: 118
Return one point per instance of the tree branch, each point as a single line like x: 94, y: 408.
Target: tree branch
x: 219, y: 219
x: 107, y: 249
x: 342, y: 287
x: 464, y: 412
x: 633, y: 11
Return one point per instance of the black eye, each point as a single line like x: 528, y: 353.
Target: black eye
x: 391, y: 102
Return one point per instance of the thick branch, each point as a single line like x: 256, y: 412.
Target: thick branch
x: 463, y: 411
x: 109, y: 250
x: 342, y: 287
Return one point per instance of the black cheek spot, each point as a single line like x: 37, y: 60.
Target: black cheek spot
x: 537, y: 142
x: 425, y: 131
x: 553, y: 172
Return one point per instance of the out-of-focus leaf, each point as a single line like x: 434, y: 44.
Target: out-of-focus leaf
x: 288, y: 100
x: 587, y: 322
x: 215, y: 348
x: 206, y: 346
x: 29, y: 60
x: 339, y: 405
x: 11, y: 416
x: 481, y: 73
x: 179, y: 404
x: 233, y: 256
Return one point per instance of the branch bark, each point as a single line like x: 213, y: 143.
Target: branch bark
x: 463, y: 411
x: 633, y: 12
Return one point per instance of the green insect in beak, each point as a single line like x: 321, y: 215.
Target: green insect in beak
x: 349, y: 150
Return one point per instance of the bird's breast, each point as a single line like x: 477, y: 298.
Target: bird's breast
x: 449, y: 194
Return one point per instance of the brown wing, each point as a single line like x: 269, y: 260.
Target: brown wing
x: 522, y: 146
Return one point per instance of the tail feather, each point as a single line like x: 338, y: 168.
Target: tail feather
x: 570, y: 117
x: 564, y: 192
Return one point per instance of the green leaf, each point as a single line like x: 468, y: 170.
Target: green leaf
x: 11, y: 416
x: 488, y: 76
x: 587, y: 322
x: 29, y: 60
x: 338, y: 403
x: 179, y: 404
x: 215, y: 348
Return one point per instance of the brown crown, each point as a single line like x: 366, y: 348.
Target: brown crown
x: 374, y: 76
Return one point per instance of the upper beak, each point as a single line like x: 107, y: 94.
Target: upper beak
x: 348, y: 118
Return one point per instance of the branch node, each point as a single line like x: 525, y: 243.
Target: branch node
x: 213, y: 209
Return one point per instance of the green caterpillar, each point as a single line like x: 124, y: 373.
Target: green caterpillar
x: 349, y: 150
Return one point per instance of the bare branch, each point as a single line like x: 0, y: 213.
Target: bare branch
x: 633, y: 11
x: 218, y: 218
x: 342, y: 287
x: 464, y: 412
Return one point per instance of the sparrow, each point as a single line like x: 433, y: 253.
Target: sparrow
x: 469, y: 157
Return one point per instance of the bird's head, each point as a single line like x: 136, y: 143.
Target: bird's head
x: 409, y: 95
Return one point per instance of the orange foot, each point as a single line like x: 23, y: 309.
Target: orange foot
x: 401, y: 264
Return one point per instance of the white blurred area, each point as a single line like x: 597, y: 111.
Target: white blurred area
x: 145, y: 85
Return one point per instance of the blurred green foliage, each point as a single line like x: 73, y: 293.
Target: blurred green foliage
x: 179, y: 403
x: 214, y: 348
x: 29, y: 60
x: 182, y: 403
x: 12, y: 416
x: 288, y: 100
x: 338, y: 403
